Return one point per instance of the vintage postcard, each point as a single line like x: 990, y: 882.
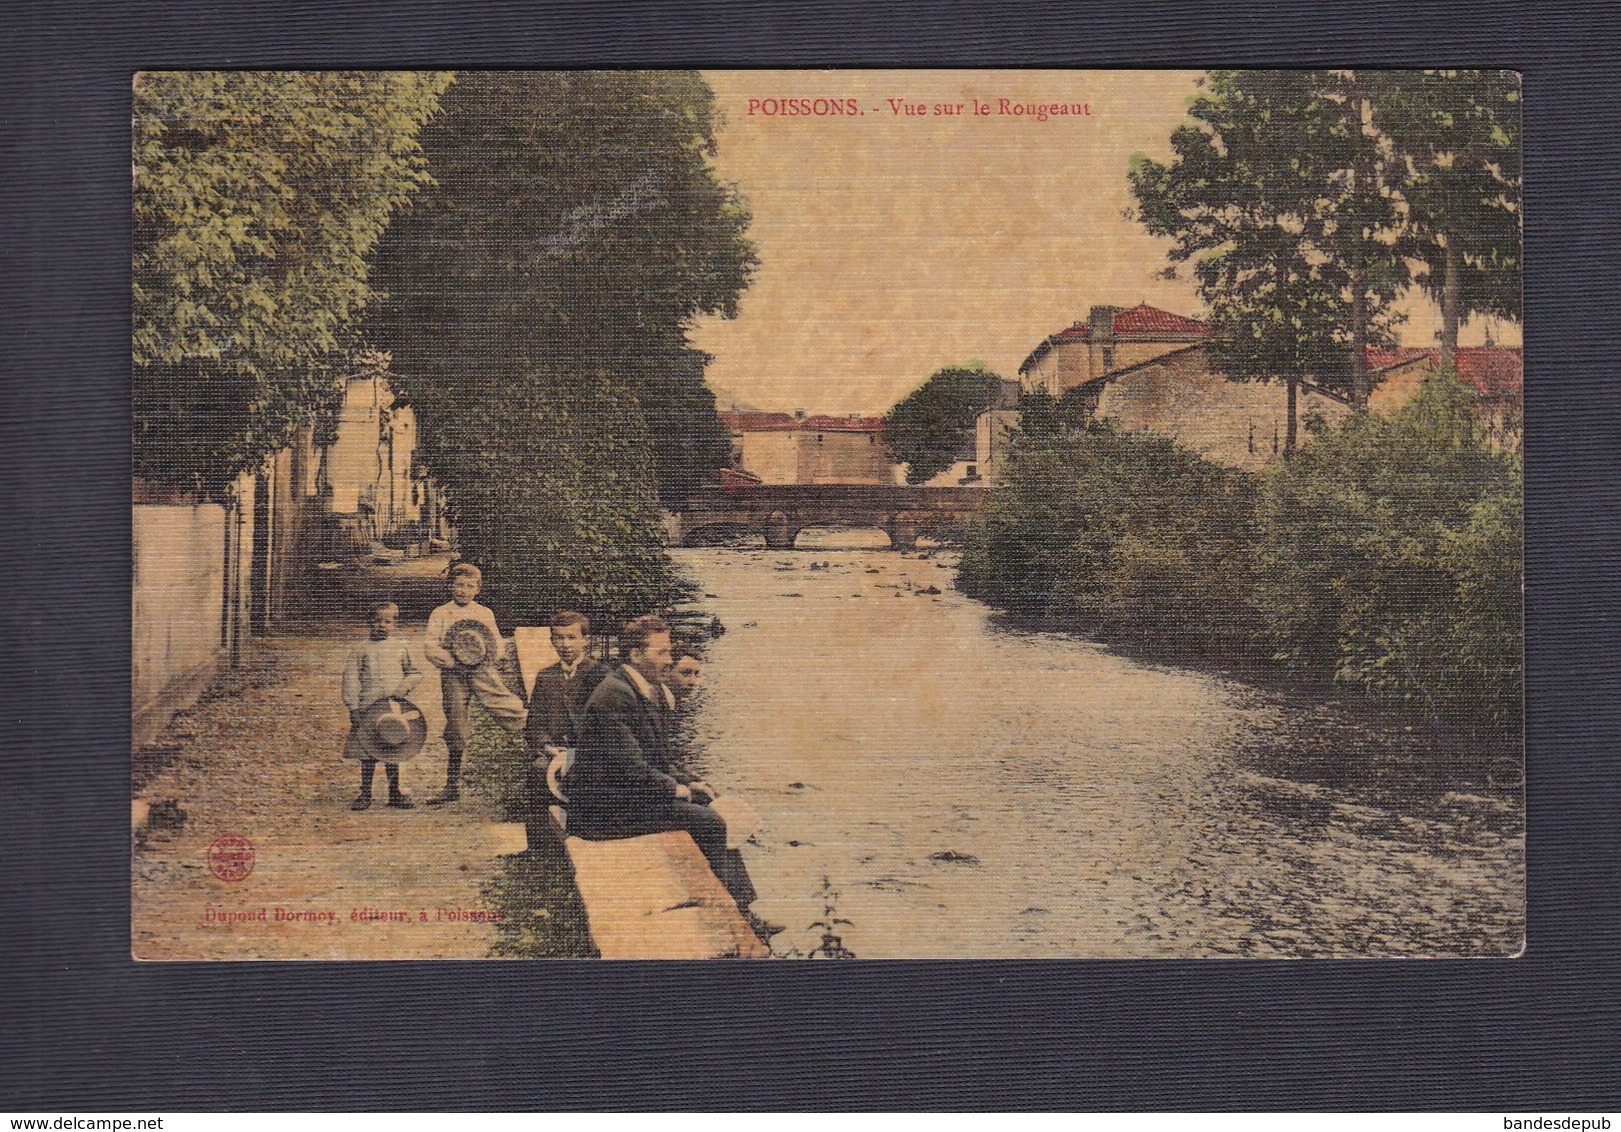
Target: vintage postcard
x: 827, y: 514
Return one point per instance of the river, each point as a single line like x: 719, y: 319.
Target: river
x: 965, y: 788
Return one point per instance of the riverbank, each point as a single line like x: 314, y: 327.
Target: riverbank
x: 1386, y: 555
x: 1456, y: 755
x: 544, y: 917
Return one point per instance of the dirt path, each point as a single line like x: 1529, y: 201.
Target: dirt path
x: 261, y: 762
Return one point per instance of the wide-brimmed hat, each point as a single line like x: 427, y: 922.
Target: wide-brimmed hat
x: 471, y: 644
x: 392, y: 730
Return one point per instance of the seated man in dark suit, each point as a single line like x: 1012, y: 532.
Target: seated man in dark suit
x: 557, y: 705
x: 623, y: 782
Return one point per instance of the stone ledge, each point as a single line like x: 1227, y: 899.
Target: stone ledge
x: 654, y: 897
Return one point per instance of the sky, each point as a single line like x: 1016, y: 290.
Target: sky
x: 893, y: 244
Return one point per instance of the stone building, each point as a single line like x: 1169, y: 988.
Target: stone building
x: 1151, y: 370
x: 1111, y: 339
x: 784, y: 448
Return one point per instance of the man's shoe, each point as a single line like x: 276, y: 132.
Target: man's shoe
x: 361, y: 803
x: 402, y: 802
x: 448, y: 794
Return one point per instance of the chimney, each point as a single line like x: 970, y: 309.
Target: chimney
x: 1100, y: 323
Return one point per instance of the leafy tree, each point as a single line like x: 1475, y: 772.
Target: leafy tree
x: 1389, y: 556
x: 1275, y: 197
x: 539, y: 301
x: 560, y: 512
x: 1458, y: 134
x: 930, y: 425
x: 257, y: 197
x: 685, y: 431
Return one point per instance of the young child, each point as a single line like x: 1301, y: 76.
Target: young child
x: 377, y: 670
x: 458, y: 685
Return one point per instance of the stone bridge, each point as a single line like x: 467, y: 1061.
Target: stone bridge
x: 780, y: 512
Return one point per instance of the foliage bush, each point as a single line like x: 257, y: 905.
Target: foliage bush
x: 557, y: 504
x: 1391, y: 556
x: 1123, y: 529
x: 539, y: 300
x: 1386, y: 555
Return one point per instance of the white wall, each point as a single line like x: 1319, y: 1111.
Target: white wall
x: 991, y: 431
x: 773, y: 456
x: 955, y: 475
x: 177, y: 596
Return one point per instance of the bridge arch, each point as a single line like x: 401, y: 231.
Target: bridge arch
x: 874, y: 524
x: 720, y: 532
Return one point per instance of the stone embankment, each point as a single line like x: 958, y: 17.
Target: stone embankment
x: 655, y: 897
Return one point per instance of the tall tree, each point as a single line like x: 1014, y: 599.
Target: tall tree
x: 558, y: 505
x: 539, y: 304
x: 257, y: 197
x: 930, y: 425
x: 1457, y: 134
x: 1274, y: 196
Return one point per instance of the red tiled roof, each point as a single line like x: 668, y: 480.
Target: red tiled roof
x: 786, y: 422
x: 757, y: 422
x: 1494, y: 371
x: 1151, y: 322
x: 1141, y: 322
x: 1387, y: 357
x: 842, y: 424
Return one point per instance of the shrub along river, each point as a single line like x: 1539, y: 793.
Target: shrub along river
x: 968, y: 788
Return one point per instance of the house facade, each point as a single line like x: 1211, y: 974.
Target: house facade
x: 793, y: 448
x: 1110, y: 340
x: 1152, y: 371
x: 368, y: 483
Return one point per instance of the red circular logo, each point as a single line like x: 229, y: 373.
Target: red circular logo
x: 231, y: 857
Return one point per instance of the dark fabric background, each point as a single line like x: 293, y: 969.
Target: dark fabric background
x: 85, y: 1029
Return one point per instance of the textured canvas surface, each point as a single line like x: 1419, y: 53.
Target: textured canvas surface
x: 1093, y: 500
x: 99, y: 1029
